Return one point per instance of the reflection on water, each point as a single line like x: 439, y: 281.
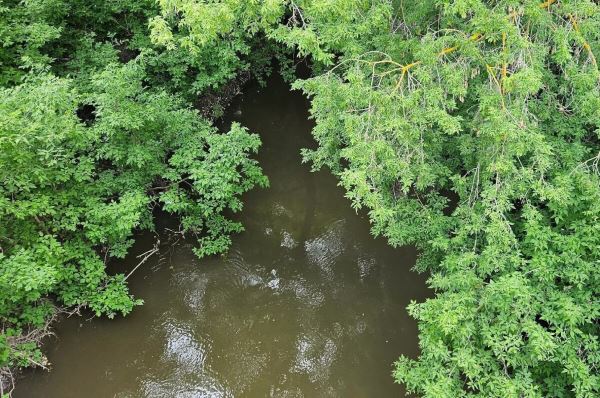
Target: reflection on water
x: 305, y: 304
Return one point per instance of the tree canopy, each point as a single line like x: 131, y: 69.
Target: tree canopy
x: 468, y: 128
x: 93, y: 137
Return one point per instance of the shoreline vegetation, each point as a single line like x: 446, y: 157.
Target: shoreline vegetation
x: 210, y: 106
x: 496, y: 102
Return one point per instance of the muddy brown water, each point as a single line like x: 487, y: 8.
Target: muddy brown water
x: 305, y: 304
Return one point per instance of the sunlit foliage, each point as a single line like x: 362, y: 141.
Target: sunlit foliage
x: 468, y: 128
x: 473, y: 134
x: 93, y: 138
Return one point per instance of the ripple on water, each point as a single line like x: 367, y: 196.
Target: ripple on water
x: 365, y: 266
x: 242, y: 274
x: 315, y: 353
x: 184, y: 372
x: 280, y: 392
x: 194, y: 290
x: 280, y: 210
x: 287, y: 240
x: 176, y: 387
x: 247, y: 362
x: 182, y: 347
x: 274, y: 281
x: 327, y: 247
x: 306, y: 292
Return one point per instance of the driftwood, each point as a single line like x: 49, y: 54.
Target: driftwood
x: 144, y: 257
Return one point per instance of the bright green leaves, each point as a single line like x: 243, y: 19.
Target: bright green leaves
x: 161, y: 32
x: 24, y: 30
x: 468, y: 128
x: 74, y: 191
x: 318, y: 29
x: 53, y: 210
x: 110, y: 224
x: 386, y: 143
x: 114, y: 298
x: 323, y: 29
x: 86, y: 157
x: 217, y: 28
x: 204, y: 21
x: 478, y: 143
x: 207, y: 174
x: 29, y: 274
x: 37, y: 141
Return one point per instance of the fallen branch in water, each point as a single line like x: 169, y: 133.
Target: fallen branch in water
x: 145, y: 256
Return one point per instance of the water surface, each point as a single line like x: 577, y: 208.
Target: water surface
x: 305, y: 304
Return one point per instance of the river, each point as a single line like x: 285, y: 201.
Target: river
x: 305, y: 304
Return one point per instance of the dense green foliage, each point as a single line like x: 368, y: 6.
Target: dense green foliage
x: 96, y: 131
x: 478, y: 141
x: 469, y: 128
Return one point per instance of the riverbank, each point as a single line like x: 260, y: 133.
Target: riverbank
x: 305, y: 301
x: 22, y: 344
